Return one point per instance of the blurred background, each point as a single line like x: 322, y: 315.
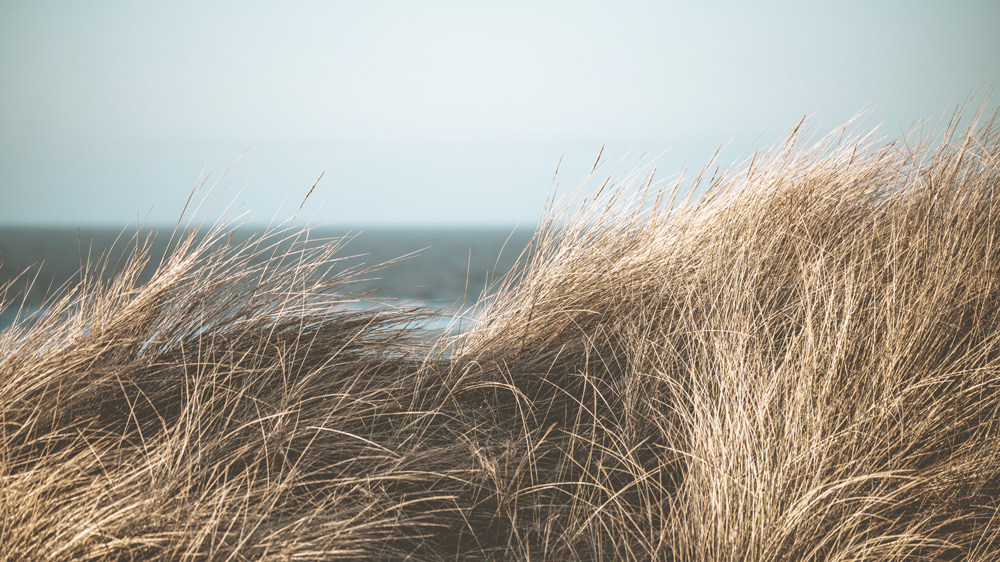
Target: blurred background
x: 428, y: 119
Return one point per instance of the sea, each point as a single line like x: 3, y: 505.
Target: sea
x: 444, y: 269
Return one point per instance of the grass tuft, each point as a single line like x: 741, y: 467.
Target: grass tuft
x: 801, y: 363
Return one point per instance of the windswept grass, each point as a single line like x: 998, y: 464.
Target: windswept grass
x: 801, y: 364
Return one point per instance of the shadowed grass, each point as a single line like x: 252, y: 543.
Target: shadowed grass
x: 801, y: 364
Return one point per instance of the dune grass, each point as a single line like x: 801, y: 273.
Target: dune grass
x: 802, y: 363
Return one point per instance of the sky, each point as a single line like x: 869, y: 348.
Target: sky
x: 440, y: 113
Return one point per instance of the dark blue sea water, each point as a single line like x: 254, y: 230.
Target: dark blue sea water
x: 452, y: 266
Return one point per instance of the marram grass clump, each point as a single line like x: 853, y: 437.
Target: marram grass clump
x: 802, y: 363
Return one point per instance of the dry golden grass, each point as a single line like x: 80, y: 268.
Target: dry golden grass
x: 801, y: 364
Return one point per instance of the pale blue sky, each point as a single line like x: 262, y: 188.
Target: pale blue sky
x: 439, y: 112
